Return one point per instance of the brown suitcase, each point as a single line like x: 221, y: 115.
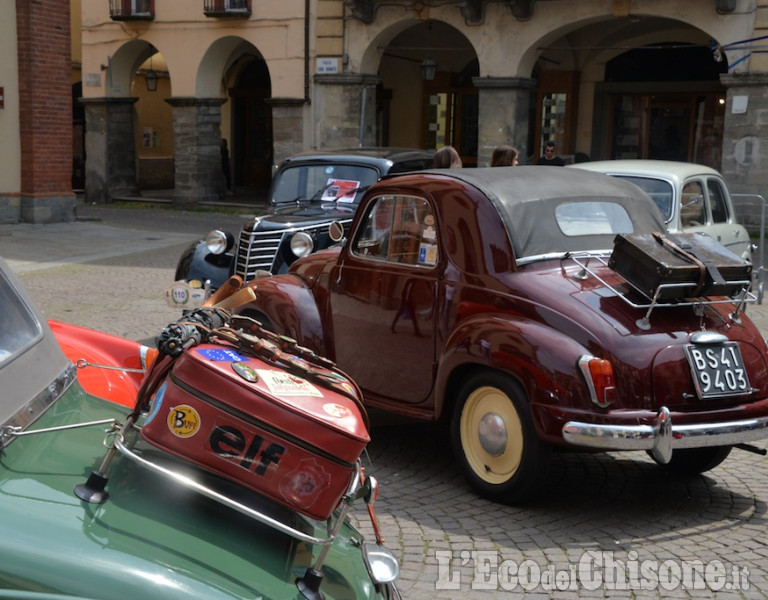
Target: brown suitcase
x: 682, y: 265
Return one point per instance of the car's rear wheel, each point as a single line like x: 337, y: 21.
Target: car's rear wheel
x: 495, y: 441
x: 692, y: 461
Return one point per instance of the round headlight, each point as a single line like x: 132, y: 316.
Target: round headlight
x: 216, y: 241
x: 302, y: 244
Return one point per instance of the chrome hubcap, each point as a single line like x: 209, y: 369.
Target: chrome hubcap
x: 492, y: 433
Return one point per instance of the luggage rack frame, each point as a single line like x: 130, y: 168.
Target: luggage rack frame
x: 743, y: 297
x: 244, y: 509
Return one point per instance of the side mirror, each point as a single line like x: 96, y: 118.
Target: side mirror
x: 336, y: 231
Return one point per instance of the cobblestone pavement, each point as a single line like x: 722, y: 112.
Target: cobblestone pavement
x: 601, y: 518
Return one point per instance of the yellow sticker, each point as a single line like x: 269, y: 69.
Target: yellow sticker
x: 183, y: 421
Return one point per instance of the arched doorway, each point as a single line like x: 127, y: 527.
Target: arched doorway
x: 426, y: 98
x: 642, y: 87
x: 672, y: 106
x: 252, y: 126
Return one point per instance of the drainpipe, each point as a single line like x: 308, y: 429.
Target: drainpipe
x: 364, y: 101
x: 306, y: 51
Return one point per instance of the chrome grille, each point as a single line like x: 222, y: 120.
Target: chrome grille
x: 258, y: 249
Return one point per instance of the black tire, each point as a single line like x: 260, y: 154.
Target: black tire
x: 182, y: 267
x: 512, y: 467
x: 694, y: 461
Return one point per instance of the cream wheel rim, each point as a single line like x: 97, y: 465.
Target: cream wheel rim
x: 491, y: 435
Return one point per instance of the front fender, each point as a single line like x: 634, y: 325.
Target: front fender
x: 85, y: 347
x: 541, y: 359
x: 206, y: 266
x: 286, y: 305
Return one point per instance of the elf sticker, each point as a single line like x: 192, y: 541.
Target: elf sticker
x: 284, y: 384
x: 183, y: 421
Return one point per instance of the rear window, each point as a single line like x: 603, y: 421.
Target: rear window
x: 592, y: 218
x: 323, y: 183
x: 18, y: 327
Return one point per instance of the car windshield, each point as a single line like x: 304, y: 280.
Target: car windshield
x: 323, y: 183
x: 18, y: 327
x: 658, y: 189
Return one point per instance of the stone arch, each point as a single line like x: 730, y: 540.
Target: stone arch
x: 215, y: 68
x: 123, y: 65
x: 397, y: 55
x: 235, y: 70
x: 570, y: 62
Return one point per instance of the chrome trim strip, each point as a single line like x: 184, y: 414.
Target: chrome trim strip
x: 225, y: 500
x: 32, y: 410
x: 662, y: 437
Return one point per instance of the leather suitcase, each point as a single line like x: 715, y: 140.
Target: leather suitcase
x: 691, y: 264
x: 289, y: 438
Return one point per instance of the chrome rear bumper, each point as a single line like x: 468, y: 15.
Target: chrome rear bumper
x: 662, y: 436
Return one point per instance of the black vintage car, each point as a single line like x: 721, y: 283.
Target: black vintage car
x: 308, y: 192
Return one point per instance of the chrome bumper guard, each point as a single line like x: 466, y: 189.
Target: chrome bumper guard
x: 662, y: 437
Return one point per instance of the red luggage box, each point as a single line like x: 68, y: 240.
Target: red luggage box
x: 288, y: 438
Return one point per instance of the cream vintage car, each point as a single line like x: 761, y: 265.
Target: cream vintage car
x: 692, y: 197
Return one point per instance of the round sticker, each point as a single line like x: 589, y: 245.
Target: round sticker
x: 245, y: 371
x: 183, y: 421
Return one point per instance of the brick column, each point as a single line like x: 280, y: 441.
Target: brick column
x: 110, y: 149
x: 197, y: 151
x: 344, y: 110
x: 45, y: 111
x: 503, y: 115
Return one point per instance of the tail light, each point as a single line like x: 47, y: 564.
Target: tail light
x: 598, y: 374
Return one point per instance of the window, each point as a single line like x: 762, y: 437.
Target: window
x: 322, y: 182
x: 127, y: 10
x: 18, y: 327
x: 658, y: 189
x: 227, y: 8
x: 692, y: 212
x: 717, y: 201
x: 592, y: 218
x: 399, y: 229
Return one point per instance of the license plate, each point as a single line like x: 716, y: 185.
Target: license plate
x: 718, y: 370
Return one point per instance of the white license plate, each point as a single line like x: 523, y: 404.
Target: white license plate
x: 718, y: 370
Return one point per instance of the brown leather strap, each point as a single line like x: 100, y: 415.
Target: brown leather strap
x: 665, y: 240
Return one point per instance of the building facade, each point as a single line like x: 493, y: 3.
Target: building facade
x: 685, y: 80
x: 35, y: 112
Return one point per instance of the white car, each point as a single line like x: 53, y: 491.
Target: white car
x: 691, y: 197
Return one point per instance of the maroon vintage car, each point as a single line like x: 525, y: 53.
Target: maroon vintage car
x: 493, y: 298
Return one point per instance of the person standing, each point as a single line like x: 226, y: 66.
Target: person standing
x: 550, y: 156
x: 504, y: 156
x: 225, y: 166
x: 447, y: 158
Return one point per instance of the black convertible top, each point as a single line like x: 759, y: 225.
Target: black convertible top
x: 527, y: 198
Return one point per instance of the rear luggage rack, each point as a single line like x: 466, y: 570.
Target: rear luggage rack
x: 353, y: 492
x: 742, y: 297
